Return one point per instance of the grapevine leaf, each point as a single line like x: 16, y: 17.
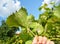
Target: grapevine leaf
x: 57, y: 11
x: 30, y: 18
x: 21, y: 17
x: 36, y: 27
x: 25, y: 36
x: 10, y: 22
x: 18, y: 18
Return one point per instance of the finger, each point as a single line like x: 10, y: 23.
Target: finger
x: 48, y: 42
x: 51, y: 42
x: 40, y: 40
x: 44, y: 40
x: 35, y: 40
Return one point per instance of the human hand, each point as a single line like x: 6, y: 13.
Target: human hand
x: 41, y: 40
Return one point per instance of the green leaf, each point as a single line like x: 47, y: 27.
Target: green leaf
x: 18, y: 18
x: 28, y: 42
x: 11, y: 21
x: 57, y: 11
x: 53, y: 19
x: 24, y: 36
x: 30, y: 18
x: 52, y: 26
x: 37, y: 27
x: 21, y: 17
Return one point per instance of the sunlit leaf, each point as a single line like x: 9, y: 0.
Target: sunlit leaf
x: 18, y: 18
x: 11, y: 21
x: 30, y: 18
x: 36, y: 27
x: 57, y: 11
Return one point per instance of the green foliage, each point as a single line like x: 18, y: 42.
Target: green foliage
x: 28, y: 42
x: 19, y: 18
x: 36, y: 27
x: 57, y: 11
x: 47, y: 25
x: 30, y: 18
x: 50, y: 20
x: 12, y: 22
x: 24, y: 20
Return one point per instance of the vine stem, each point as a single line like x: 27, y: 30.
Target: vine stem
x: 30, y: 31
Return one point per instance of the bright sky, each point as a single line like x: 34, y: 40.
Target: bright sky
x: 32, y: 6
x: 9, y: 6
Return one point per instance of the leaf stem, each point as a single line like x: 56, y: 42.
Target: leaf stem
x: 30, y: 31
